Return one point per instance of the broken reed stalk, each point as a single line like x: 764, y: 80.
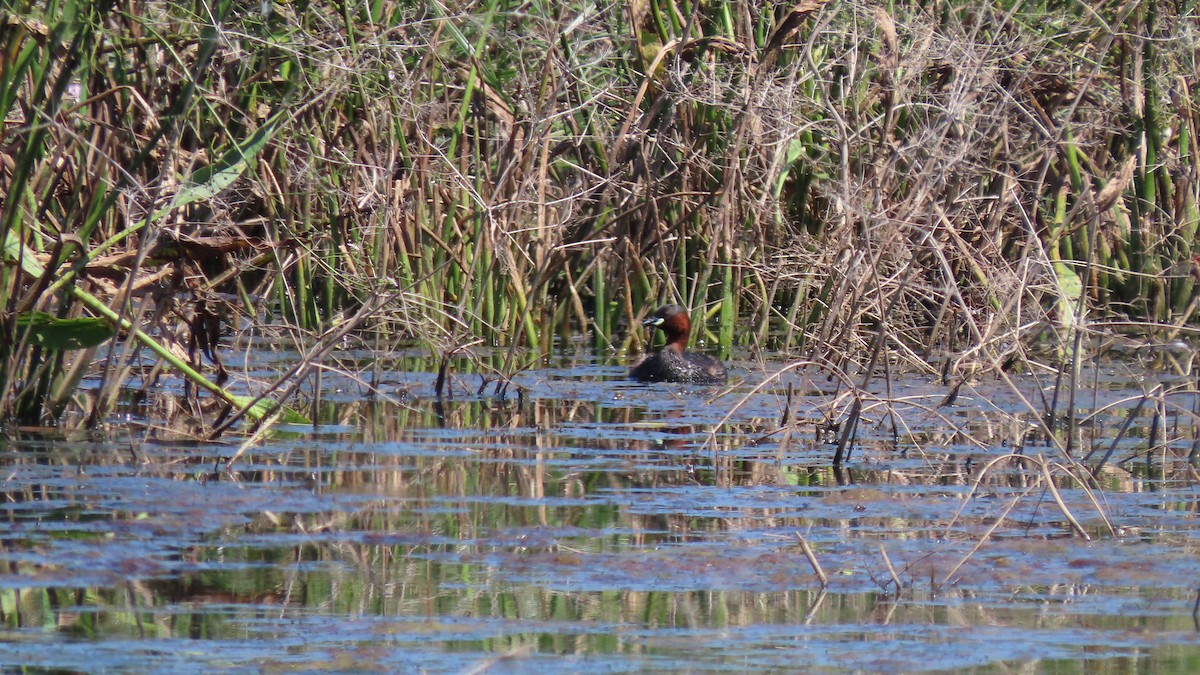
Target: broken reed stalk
x: 987, y: 533
x: 244, y: 405
x: 1129, y: 418
x: 255, y: 436
x: 1062, y: 506
x: 1085, y: 484
x: 748, y: 396
x: 812, y: 560
x: 850, y: 426
x: 785, y: 422
x: 811, y: 614
x: 890, y: 568
x: 440, y: 387
x: 849, y: 432
x: 1042, y: 465
x: 294, y: 377
x: 1047, y: 479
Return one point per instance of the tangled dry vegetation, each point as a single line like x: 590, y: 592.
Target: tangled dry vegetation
x: 937, y: 186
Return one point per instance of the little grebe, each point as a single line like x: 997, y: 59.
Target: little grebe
x: 673, y: 363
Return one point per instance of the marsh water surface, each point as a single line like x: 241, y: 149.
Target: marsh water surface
x: 584, y: 522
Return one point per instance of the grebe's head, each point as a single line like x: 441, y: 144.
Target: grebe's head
x: 674, y: 322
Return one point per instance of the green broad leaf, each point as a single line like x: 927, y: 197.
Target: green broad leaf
x: 259, y: 410
x: 1070, y: 286
x: 209, y: 181
x: 794, y: 151
x: 14, y: 250
x: 456, y: 35
x: 52, y: 332
x: 11, y: 86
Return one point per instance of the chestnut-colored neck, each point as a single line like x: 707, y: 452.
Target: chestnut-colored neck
x: 676, y: 328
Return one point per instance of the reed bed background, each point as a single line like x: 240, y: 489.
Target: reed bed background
x: 937, y: 186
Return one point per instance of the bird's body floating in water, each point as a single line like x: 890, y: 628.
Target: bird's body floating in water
x: 672, y: 362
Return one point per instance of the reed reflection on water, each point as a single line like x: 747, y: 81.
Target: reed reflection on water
x: 599, y: 522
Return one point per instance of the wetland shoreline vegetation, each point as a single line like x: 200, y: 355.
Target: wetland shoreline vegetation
x: 951, y: 188
x: 433, y: 229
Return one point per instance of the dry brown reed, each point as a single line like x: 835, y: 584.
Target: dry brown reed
x: 866, y: 187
